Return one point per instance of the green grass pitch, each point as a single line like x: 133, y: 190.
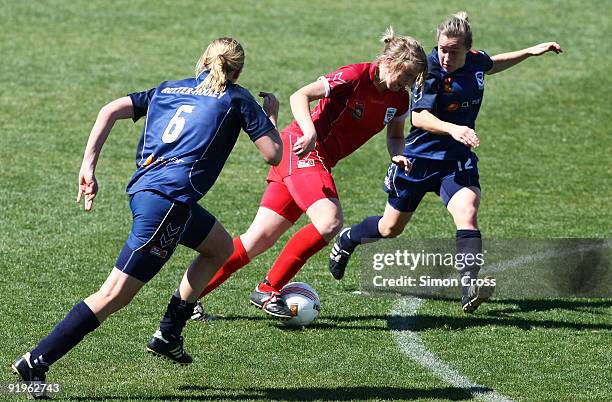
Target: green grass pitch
x: 545, y: 170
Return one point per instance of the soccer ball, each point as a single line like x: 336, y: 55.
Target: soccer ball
x: 303, y: 301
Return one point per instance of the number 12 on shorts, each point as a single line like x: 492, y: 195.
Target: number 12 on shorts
x: 467, y: 165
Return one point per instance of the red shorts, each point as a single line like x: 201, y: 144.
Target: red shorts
x: 295, y: 184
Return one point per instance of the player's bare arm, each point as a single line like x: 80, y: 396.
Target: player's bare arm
x: 395, y: 143
x: 271, y: 147
x: 504, y: 61
x: 300, y: 107
x: 121, y: 108
x: 424, y: 119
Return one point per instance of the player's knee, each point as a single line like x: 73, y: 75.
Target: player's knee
x: 222, y: 253
x: 466, y: 216
x: 390, y: 231
x: 330, y: 226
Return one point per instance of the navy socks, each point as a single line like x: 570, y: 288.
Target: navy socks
x: 81, y: 320
x: 469, y: 242
x: 177, y: 314
x: 66, y: 335
x: 366, y: 229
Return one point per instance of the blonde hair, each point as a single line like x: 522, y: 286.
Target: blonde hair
x: 223, y: 57
x: 457, y: 26
x: 402, y: 52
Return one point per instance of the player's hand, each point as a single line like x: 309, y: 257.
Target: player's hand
x: 402, y: 162
x: 304, y: 145
x: 545, y: 47
x: 270, y: 103
x: 466, y: 136
x: 88, y: 187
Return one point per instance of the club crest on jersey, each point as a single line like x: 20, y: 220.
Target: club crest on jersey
x: 358, y: 110
x: 417, y: 95
x: 480, y: 79
x: 390, y: 114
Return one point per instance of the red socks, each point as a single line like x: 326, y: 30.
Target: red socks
x: 238, y: 260
x: 304, y: 244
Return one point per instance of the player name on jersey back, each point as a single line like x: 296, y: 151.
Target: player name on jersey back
x: 192, y: 91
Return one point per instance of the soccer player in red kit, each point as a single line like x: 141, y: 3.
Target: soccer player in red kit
x: 355, y: 103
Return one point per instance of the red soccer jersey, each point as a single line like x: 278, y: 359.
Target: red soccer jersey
x: 353, y: 110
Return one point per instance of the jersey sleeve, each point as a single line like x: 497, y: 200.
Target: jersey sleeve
x: 425, y: 97
x: 140, y: 102
x: 403, y: 107
x: 485, y: 60
x: 253, y: 120
x: 341, y: 82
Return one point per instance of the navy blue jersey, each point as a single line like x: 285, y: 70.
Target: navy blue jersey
x: 452, y: 97
x: 189, y: 134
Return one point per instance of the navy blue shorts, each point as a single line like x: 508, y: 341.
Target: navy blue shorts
x: 159, y: 225
x: 444, y: 177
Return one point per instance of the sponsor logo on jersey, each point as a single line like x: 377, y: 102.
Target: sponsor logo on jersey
x: 464, y: 105
x: 448, y: 85
x: 358, y: 110
x: 480, y: 79
x: 453, y: 106
x: 158, y: 252
x: 390, y: 114
x: 304, y: 163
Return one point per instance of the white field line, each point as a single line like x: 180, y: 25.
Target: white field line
x: 413, y: 347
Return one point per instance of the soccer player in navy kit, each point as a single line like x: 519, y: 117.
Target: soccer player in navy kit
x: 439, y: 147
x: 190, y: 129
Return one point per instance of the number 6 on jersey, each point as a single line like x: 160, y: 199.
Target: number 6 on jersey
x: 176, y: 125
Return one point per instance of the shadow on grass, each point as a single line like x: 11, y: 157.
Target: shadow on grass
x: 502, y: 316
x: 423, y: 322
x: 198, y: 393
x: 581, y: 305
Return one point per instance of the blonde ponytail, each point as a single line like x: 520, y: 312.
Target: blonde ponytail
x: 222, y: 58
